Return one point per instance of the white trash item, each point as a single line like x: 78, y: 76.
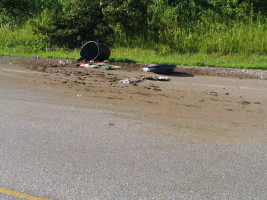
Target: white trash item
x: 145, y: 69
x: 129, y: 81
x: 163, y: 78
x: 89, y: 66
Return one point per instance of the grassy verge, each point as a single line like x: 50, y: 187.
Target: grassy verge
x: 246, y: 61
x: 248, y: 47
x: 249, y: 61
x: 58, y: 53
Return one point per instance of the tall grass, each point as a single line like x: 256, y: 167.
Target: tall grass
x: 237, y: 37
x: 240, y: 60
x: 221, y: 38
x: 22, y: 39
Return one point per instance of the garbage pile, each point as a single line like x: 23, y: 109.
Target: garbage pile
x: 94, y: 56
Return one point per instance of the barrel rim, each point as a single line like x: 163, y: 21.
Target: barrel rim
x: 87, y: 44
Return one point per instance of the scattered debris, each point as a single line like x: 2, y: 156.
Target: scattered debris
x: 136, y: 80
x: 116, y: 67
x: 163, y: 78
x: 156, y: 78
x: 79, y: 64
x: 130, y: 81
x: 145, y: 69
x: 92, y: 64
x: 108, y: 67
x: 101, y: 64
x: 88, y: 65
x: 61, y: 62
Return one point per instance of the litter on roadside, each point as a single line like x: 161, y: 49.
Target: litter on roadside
x: 85, y: 65
x: 156, y: 78
x: 108, y: 68
x: 136, y: 80
x: 145, y: 69
x: 111, y: 67
x: 163, y: 78
x: 61, y: 62
x: 129, y: 81
x: 79, y: 64
x: 96, y: 65
x: 115, y: 67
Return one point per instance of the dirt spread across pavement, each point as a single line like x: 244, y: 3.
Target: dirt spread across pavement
x: 218, y: 109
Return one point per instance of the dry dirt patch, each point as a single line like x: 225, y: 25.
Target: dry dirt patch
x: 214, y: 114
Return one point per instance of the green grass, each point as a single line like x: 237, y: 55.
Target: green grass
x: 57, y: 53
x: 246, y: 61
x: 249, y: 61
x: 25, y: 42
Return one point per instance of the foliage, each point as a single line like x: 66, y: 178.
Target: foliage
x: 73, y: 23
x: 166, y: 26
x: 17, y: 12
x: 22, y: 38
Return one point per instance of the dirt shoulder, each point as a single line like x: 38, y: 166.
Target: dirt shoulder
x: 195, y: 70
x: 225, y: 110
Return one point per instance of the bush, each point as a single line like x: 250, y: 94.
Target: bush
x: 74, y: 23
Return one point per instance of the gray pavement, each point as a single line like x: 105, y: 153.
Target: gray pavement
x: 54, y: 150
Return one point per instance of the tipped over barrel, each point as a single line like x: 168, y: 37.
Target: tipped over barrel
x: 95, y: 51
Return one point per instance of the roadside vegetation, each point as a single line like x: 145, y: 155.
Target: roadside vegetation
x: 227, y: 33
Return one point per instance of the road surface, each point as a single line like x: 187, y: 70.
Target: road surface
x: 58, y: 145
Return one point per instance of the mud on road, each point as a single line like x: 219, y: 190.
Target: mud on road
x: 218, y: 109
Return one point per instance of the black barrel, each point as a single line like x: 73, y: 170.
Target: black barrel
x: 95, y: 51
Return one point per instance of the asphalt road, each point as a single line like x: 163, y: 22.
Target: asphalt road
x: 53, y: 149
